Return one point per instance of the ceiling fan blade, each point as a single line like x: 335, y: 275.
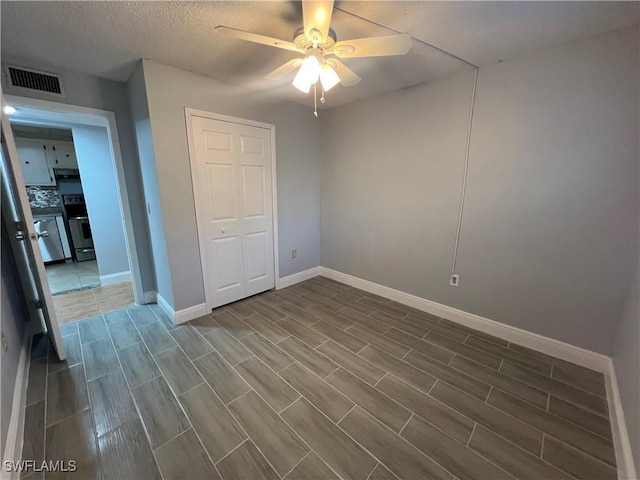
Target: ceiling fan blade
x: 317, y: 16
x: 256, y: 38
x: 347, y: 77
x: 284, y: 70
x: 374, y: 46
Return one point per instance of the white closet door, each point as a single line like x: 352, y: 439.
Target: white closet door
x: 233, y: 192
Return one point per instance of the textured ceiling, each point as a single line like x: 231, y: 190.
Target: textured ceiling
x: 107, y: 38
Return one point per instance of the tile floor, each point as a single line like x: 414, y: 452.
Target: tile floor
x: 318, y: 380
x: 92, y: 301
x: 72, y: 276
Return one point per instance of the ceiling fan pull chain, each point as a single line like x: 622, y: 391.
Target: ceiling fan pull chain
x: 315, y: 99
x: 322, y: 99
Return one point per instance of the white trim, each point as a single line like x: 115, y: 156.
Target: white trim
x: 189, y: 114
x: 184, y: 315
x: 164, y: 305
x: 274, y: 208
x: 150, y: 296
x: 13, y: 445
x: 297, y: 277
x: 620, y: 434
x: 107, y: 119
x: 540, y: 343
x: 113, y: 278
x: 125, y: 207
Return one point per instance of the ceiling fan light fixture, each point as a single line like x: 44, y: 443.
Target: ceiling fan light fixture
x: 308, y: 74
x: 328, y: 77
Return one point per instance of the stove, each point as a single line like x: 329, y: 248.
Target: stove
x: 78, y: 220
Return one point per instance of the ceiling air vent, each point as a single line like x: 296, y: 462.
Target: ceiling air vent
x: 35, y: 80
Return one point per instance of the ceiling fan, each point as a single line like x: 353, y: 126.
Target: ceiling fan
x: 318, y: 44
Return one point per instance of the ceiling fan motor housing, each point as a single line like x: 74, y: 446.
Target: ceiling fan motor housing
x: 305, y: 43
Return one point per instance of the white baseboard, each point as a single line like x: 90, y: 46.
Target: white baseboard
x: 184, y: 315
x: 113, y: 278
x: 620, y: 434
x: 297, y: 277
x: 13, y: 445
x: 164, y: 305
x: 149, y: 297
x: 550, y: 346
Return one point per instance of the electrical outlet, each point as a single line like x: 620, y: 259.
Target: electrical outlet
x: 4, y: 343
x: 294, y: 253
x: 454, y: 280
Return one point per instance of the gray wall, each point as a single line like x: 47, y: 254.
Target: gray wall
x: 140, y: 116
x: 550, y: 218
x: 169, y: 91
x: 626, y: 359
x: 94, y: 92
x: 391, y: 182
x: 14, y: 319
x: 99, y: 186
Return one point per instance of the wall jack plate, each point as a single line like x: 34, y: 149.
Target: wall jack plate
x: 454, y: 280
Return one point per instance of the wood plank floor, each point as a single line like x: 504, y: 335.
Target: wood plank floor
x: 93, y: 301
x: 318, y: 380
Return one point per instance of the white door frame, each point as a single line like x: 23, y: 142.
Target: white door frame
x: 107, y: 119
x: 189, y: 114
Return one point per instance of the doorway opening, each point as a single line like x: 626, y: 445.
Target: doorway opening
x: 73, y: 176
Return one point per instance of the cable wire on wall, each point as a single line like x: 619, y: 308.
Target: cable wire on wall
x: 466, y: 171
x: 473, y: 99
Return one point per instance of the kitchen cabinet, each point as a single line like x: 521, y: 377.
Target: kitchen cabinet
x: 34, y: 161
x: 39, y: 157
x: 62, y: 155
